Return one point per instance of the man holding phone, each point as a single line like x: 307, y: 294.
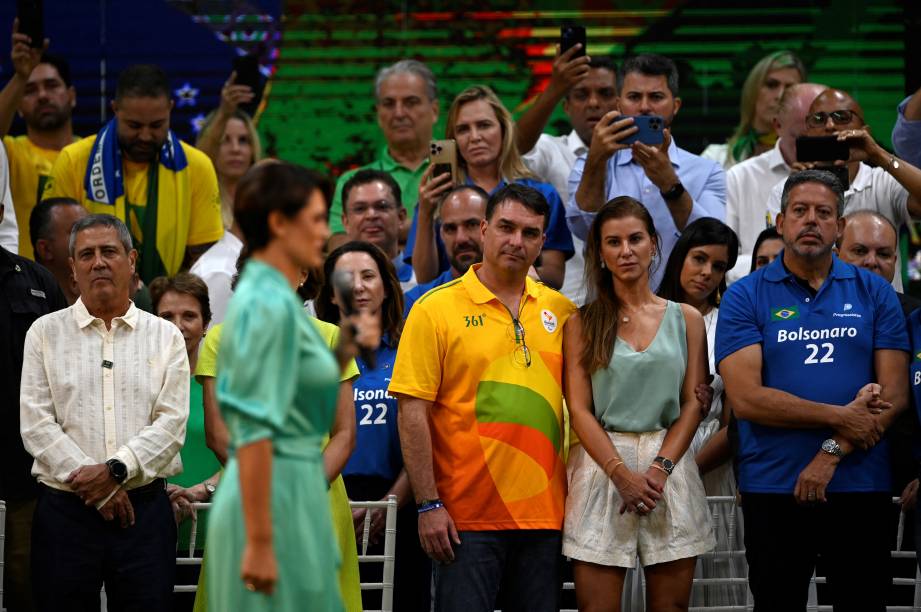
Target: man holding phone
x: 891, y: 186
x: 588, y: 88
x: 676, y: 186
x: 41, y: 91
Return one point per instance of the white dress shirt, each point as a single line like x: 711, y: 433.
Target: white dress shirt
x: 9, y: 229
x: 89, y: 394
x: 551, y: 160
x: 217, y: 266
x: 873, y: 189
x: 748, y: 189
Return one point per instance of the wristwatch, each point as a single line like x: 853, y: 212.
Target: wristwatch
x: 674, y: 193
x: 667, y: 464
x: 832, y: 447
x: 117, y: 470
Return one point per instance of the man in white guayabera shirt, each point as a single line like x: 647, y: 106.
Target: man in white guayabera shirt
x: 103, y: 408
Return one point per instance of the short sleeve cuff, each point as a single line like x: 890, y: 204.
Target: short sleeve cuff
x: 398, y: 389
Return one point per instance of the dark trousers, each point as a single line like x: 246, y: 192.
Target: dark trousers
x: 75, y: 551
x: 412, y: 574
x: 850, y: 536
x: 525, y: 564
x: 17, y: 574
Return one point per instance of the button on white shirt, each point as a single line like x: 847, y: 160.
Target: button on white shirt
x: 89, y: 394
x: 748, y: 189
x: 551, y: 160
x: 873, y: 189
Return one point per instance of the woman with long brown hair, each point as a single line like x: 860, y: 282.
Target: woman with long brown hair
x: 633, y: 362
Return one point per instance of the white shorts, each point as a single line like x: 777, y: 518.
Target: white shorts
x: 594, y: 530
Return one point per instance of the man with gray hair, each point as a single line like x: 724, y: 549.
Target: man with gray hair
x: 406, y: 99
x: 104, y: 402
x: 814, y: 354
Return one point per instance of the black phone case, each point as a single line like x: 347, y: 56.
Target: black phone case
x: 569, y: 36
x: 31, y: 22
x: 821, y: 148
x: 247, y: 69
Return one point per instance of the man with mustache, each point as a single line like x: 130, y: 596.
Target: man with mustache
x: 42, y: 93
x: 137, y: 169
x: 891, y: 186
x: 103, y: 408
x: 406, y: 102
x: 588, y: 88
x: 460, y: 213
x: 814, y: 354
x: 373, y: 211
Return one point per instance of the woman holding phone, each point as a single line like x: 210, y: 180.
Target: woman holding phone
x: 488, y: 158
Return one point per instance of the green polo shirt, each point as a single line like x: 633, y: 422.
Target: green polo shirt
x: 407, y: 179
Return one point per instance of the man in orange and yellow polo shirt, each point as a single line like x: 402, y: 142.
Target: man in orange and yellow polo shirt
x: 479, y: 379
x: 136, y: 169
x: 41, y: 91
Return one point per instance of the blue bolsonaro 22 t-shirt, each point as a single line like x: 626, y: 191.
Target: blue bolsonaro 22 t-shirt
x: 816, y: 347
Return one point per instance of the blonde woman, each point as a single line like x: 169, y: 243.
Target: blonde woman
x: 488, y: 158
x: 230, y: 139
x: 761, y: 94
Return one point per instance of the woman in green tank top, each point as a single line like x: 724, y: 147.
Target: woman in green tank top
x: 633, y: 365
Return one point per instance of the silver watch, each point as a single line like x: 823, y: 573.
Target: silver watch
x: 832, y: 447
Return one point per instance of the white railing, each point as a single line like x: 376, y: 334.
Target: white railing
x: 387, y: 559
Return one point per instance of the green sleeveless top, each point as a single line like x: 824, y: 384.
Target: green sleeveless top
x: 641, y: 391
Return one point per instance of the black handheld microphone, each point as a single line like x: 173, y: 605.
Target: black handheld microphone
x: 342, y: 284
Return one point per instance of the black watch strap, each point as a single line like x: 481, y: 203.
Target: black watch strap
x: 674, y: 193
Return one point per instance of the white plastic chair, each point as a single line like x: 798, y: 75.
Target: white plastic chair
x: 389, y: 556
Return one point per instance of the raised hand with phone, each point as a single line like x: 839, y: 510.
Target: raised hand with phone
x: 835, y: 113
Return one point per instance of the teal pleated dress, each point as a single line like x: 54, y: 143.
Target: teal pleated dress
x: 276, y: 380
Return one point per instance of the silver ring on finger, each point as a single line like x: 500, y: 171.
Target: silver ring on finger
x: 642, y: 507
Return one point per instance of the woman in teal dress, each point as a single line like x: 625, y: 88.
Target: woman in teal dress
x: 271, y: 544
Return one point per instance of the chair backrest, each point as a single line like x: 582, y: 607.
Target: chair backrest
x: 389, y: 556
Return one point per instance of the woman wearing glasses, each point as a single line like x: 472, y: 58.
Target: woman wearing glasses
x: 633, y: 362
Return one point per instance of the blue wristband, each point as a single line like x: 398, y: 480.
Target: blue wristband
x: 430, y: 505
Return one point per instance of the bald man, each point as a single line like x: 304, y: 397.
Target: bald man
x: 749, y: 183
x: 869, y: 240
x: 890, y: 187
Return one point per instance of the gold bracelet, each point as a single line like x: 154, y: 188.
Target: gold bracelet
x: 613, y: 469
x: 659, y: 467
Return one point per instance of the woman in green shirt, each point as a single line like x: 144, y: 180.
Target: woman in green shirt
x: 183, y: 300
x: 633, y: 362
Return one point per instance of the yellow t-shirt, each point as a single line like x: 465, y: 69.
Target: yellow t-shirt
x: 30, y: 167
x: 496, y: 422
x: 207, y: 354
x: 181, y: 222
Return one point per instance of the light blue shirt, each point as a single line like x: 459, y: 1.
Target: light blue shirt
x: 906, y: 137
x: 703, y: 179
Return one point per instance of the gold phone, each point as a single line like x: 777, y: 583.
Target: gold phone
x: 443, y: 156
